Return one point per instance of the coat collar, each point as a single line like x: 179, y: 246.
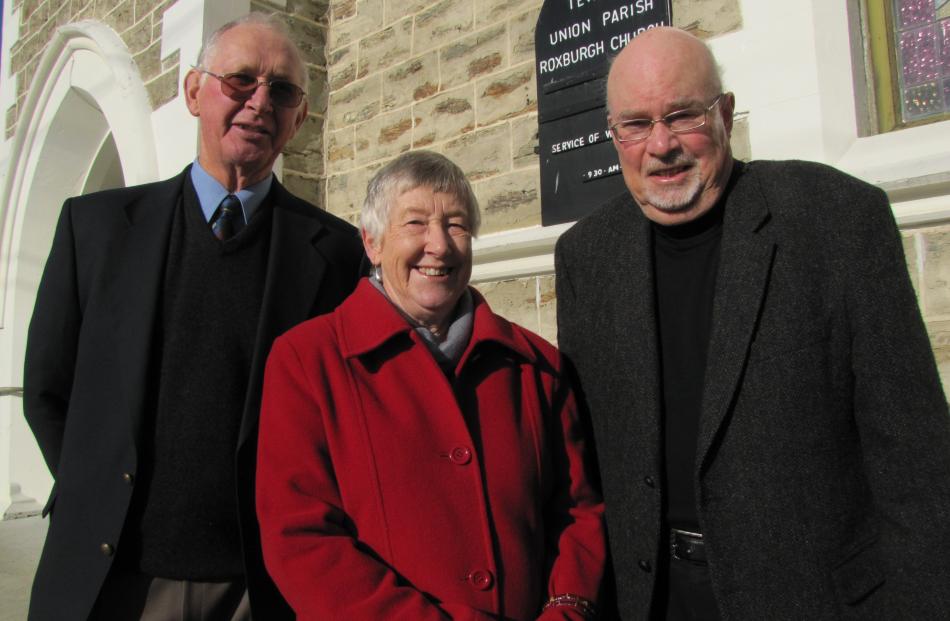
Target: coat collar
x: 367, y: 321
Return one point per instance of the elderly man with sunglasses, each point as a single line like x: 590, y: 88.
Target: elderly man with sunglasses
x: 145, y: 356
x: 772, y: 434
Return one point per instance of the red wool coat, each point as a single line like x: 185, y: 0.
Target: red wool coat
x: 386, y: 492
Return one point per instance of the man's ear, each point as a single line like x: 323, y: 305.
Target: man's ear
x: 371, y: 247
x: 192, y: 86
x: 727, y: 107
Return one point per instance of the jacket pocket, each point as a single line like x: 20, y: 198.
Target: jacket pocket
x: 860, y: 574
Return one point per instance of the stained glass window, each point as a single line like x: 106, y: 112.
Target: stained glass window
x: 921, y: 42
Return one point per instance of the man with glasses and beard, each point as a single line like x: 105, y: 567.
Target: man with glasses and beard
x: 772, y: 434
x: 145, y: 355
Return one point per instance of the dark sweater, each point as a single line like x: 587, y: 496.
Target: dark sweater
x: 188, y: 522
x: 686, y: 259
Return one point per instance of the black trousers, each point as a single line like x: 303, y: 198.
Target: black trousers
x: 129, y: 595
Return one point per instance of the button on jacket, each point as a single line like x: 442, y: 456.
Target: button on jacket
x: 386, y: 490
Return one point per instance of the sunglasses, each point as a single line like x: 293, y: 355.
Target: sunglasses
x: 241, y: 87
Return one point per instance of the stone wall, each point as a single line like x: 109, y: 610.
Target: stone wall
x: 138, y: 22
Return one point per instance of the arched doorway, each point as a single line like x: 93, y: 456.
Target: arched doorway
x: 86, y: 126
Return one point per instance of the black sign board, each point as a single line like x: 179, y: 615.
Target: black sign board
x: 573, y: 43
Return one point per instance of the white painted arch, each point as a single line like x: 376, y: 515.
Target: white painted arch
x: 86, y: 124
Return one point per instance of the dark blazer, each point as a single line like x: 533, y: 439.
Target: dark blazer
x: 823, y: 466
x: 89, y: 371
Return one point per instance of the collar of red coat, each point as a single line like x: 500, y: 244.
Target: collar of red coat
x: 368, y: 320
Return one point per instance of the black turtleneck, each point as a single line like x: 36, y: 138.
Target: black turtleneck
x: 685, y: 259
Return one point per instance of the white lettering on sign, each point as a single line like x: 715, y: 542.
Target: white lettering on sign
x: 598, y: 173
x: 571, y: 32
x: 567, y: 145
x: 571, y: 57
x: 617, y: 42
x: 576, y: 4
x: 626, y: 11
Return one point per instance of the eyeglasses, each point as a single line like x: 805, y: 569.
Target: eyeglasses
x: 241, y: 87
x: 679, y: 122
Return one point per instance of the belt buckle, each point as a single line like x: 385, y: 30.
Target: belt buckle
x: 675, y: 534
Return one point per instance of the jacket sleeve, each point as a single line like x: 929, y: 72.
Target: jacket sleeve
x: 52, y: 342
x: 574, y: 515
x: 309, y: 544
x: 900, y: 412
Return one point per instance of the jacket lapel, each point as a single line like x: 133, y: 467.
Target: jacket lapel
x: 295, y: 269
x: 133, y: 293
x: 745, y: 263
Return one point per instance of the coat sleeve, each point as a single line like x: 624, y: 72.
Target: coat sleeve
x: 52, y: 342
x: 574, y: 515
x: 309, y: 544
x: 901, y: 413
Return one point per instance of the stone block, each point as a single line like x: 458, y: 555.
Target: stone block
x: 492, y: 11
x: 340, y: 150
x: 509, y: 201
x: 483, y: 153
x: 345, y: 192
x: 141, y: 8
x: 61, y: 15
x: 314, y: 10
x: 39, y: 17
x: 309, y: 189
x: 516, y: 300
x: 385, y: 136
x: 524, y: 141
x: 443, y: 117
x: 442, y: 23
x: 318, y: 92
x: 411, y: 81
x: 28, y: 7
x: 521, y: 29
x: 341, y: 66
x: 173, y: 60
x: 304, y: 152
x: 939, y: 332
x: 341, y: 10
x: 507, y: 94
x: 149, y: 61
x: 385, y: 48
x: 474, y: 56
x: 311, y: 38
x: 909, y: 240
x: 163, y: 88
x: 139, y: 36
x: 367, y: 17
x: 359, y: 101
x: 936, y: 272
x: 708, y: 18
x: 741, y: 145
x: 120, y: 18
x: 398, y: 9
x: 547, y: 309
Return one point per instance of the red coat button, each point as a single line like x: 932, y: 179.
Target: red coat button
x: 461, y: 455
x: 481, y: 579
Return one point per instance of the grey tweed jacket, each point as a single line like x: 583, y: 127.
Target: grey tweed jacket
x: 823, y: 463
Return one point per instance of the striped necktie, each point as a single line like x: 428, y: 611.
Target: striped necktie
x: 228, y: 219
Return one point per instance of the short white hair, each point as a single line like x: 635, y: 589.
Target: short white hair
x: 270, y: 21
x: 407, y: 172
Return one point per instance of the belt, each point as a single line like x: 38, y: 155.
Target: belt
x: 687, y: 546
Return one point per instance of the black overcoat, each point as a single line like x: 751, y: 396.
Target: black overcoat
x: 823, y: 458
x: 87, y: 375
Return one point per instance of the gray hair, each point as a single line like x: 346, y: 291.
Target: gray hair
x: 270, y: 21
x: 407, y: 172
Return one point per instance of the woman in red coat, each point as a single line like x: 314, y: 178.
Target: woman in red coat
x: 420, y: 457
